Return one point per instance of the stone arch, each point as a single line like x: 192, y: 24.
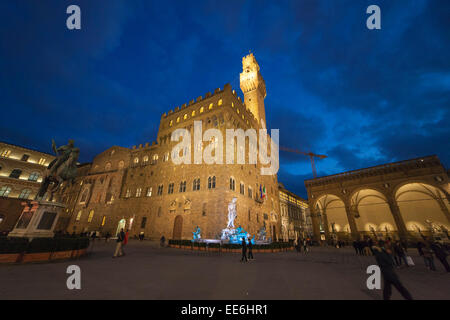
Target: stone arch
x: 425, y: 182
x: 423, y: 206
x: 372, y: 212
x: 330, y: 210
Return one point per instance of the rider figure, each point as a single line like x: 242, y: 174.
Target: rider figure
x: 63, y: 153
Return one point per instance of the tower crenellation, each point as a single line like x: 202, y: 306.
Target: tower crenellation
x: 253, y: 87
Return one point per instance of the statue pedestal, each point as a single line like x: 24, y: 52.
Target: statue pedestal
x: 38, y: 219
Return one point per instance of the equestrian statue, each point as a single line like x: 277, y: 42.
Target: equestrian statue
x: 62, y: 169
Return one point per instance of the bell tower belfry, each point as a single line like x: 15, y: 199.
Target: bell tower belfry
x: 253, y: 87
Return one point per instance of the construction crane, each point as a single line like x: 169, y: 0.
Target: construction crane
x: 309, y: 154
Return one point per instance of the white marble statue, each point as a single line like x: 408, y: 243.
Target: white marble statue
x: 231, y: 213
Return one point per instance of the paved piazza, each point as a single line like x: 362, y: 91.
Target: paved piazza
x: 150, y: 272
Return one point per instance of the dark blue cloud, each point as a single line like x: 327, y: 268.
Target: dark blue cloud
x: 334, y: 87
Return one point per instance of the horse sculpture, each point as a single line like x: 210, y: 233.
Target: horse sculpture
x: 62, y: 169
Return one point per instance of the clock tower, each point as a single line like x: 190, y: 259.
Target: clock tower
x: 253, y: 87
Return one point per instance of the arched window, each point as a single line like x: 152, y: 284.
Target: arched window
x: 103, y: 220
x: 145, y: 159
x: 109, y: 196
x: 178, y: 119
x: 2, y: 217
x: 171, y: 123
x: 210, y: 106
x: 4, y: 191
x: 24, y: 194
x: 183, y: 186
x: 6, y: 153
x: 185, y: 116
x: 121, y: 164
x: 193, y: 113
x: 136, y: 160
x: 232, y: 184
x: 138, y: 192
x: 201, y: 110
x: 196, y: 184
x: 79, y: 215
x: 15, y: 174
x: 91, y: 216
x: 212, y: 182
x: 108, y: 166
x: 84, y: 196
x: 220, y: 102
x: 34, y: 176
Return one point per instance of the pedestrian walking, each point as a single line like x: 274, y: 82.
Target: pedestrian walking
x: 399, y: 254
x: 162, y: 241
x: 428, y: 257
x: 120, y: 238
x: 441, y: 254
x: 355, y: 246
x: 305, y: 246
x: 250, y: 249
x: 386, y: 264
x: 244, y: 251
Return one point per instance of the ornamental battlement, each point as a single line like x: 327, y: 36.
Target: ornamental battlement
x: 208, y: 95
x: 400, y: 166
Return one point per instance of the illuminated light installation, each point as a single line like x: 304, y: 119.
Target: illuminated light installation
x: 230, y: 233
x: 197, y: 235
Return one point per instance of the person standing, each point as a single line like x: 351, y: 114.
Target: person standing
x: 386, y: 264
x: 305, y: 246
x: 125, y: 242
x: 120, y: 238
x: 355, y: 246
x: 162, y: 241
x: 244, y: 251
x: 250, y: 249
x: 440, y: 253
x: 428, y: 257
x: 399, y: 254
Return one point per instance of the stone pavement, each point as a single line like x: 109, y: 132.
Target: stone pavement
x: 150, y: 272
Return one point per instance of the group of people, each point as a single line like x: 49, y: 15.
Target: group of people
x: 362, y: 247
x: 392, y: 254
x: 428, y: 250
x: 304, y: 244
x: 245, y: 258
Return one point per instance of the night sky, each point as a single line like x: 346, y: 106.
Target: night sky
x: 334, y: 87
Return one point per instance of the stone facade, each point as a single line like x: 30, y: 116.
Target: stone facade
x: 21, y: 171
x: 402, y: 199
x: 294, y: 213
x: 141, y: 189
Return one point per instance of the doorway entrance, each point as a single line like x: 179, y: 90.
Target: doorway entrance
x: 177, y: 228
x: 121, y: 225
